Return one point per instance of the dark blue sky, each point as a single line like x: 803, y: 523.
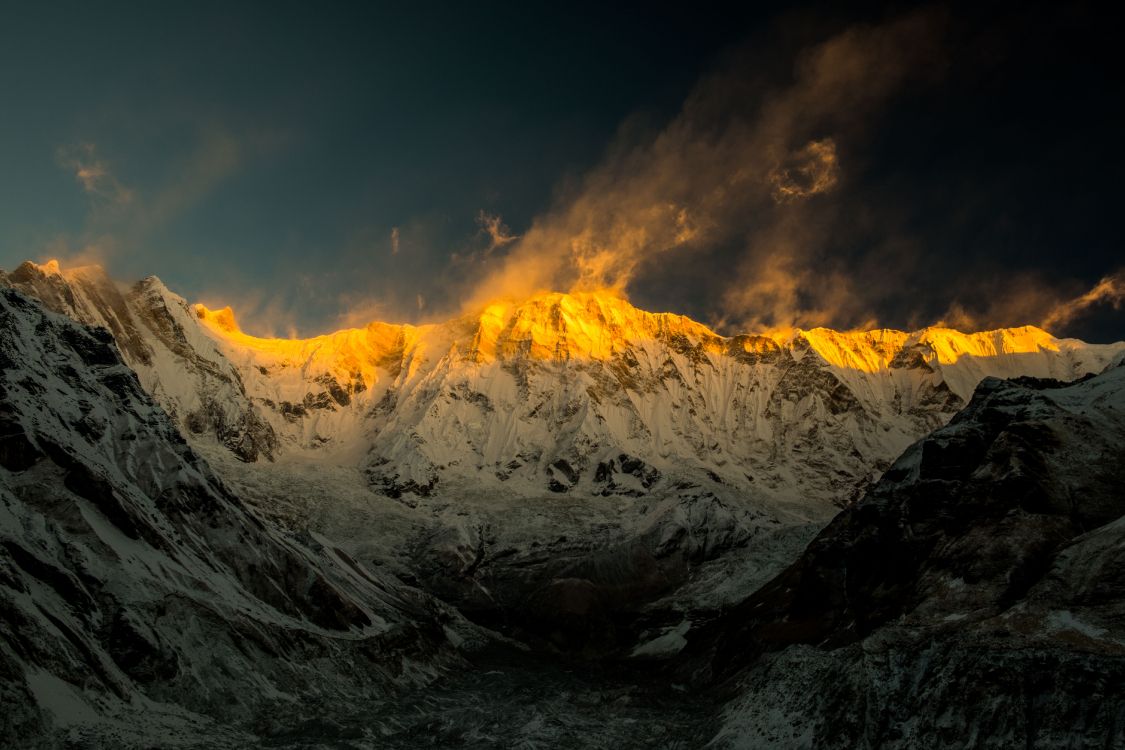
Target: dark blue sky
x: 263, y: 155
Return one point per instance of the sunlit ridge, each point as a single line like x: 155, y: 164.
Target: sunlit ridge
x: 599, y: 326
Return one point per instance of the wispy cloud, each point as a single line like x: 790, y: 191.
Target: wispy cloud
x: 1029, y: 297
x: 122, y: 218
x: 494, y: 228
x: 736, y: 169
x: 806, y: 172
x: 1109, y: 291
x: 93, y: 173
x: 394, y: 241
x: 218, y: 155
x: 357, y: 310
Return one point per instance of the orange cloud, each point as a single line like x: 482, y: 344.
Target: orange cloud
x: 93, y: 173
x: 496, y: 230
x: 1110, y: 290
x: 733, y: 168
x: 810, y: 170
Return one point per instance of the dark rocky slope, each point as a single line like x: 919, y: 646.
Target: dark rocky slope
x: 975, y: 597
x: 140, y: 602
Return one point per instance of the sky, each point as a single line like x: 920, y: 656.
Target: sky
x: 788, y: 164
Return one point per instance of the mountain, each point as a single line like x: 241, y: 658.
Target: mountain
x: 159, y: 340
x: 141, y: 602
x: 973, y: 598
x: 853, y: 539
x: 559, y: 466
x: 549, y: 393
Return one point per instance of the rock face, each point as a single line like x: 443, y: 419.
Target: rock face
x: 585, y: 394
x: 581, y: 475
x: 972, y: 598
x: 560, y: 461
x: 159, y: 339
x: 134, y: 584
x: 561, y: 393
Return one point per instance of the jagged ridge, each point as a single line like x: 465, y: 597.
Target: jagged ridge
x: 672, y: 445
x: 973, y: 596
x: 133, y: 581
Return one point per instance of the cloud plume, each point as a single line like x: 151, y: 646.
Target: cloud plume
x: 744, y: 165
x: 494, y: 228
x: 121, y: 220
x: 811, y: 170
x: 1109, y: 291
x: 93, y: 174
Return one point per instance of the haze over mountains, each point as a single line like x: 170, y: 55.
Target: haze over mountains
x: 570, y: 472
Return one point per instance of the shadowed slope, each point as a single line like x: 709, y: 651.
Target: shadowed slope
x: 972, y: 598
x: 132, y: 580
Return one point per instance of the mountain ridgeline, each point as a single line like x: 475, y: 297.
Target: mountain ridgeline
x: 808, y: 530
x: 141, y: 600
x: 565, y: 393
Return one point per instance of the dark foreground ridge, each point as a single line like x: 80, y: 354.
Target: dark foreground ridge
x: 974, y: 597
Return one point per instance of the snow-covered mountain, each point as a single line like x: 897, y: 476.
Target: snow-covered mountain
x: 548, y: 463
x: 577, y: 393
x: 973, y: 598
x: 179, y: 366
x: 575, y: 473
x: 141, y: 602
x: 584, y: 393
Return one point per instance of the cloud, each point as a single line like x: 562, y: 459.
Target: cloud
x: 812, y: 169
x: 495, y: 230
x: 998, y: 300
x: 767, y: 202
x: 394, y: 240
x: 1001, y: 300
x: 69, y: 254
x: 93, y: 173
x: 780, y: 289
x: 121, y: 219
x: 357, y: 311
x: 1110, y: 290
x: 726, y: 184
x: 258, y: 313
x: 217, y: 156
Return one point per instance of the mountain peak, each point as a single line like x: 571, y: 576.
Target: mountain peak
x: 54, y: 268
x: 586, y: 325
x: 30, y: 270
x: 599, y: 325
x: 222, y: 320
x: 876, y: 349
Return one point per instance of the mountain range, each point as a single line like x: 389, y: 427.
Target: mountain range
x: 566, y: 474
